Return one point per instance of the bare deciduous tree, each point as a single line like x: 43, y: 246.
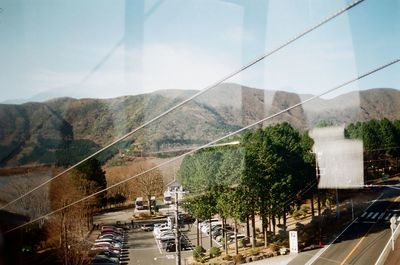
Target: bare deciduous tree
x: 34, y: 205
x: 150, y: 184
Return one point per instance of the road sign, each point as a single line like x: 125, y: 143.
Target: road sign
x: 393, y: 220
x: 293, y: 242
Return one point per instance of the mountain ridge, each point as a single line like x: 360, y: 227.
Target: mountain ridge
x: 51, y: 131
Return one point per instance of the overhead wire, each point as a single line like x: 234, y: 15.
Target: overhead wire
x: 213, y: 142
x: 241, y: 69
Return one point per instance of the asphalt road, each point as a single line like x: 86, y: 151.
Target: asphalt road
x: 363, y: 241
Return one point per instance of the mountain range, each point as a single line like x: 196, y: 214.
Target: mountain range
x: 64, y: 130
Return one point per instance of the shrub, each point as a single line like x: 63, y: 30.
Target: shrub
x: 305, y: 210
x: 242, y: 242
x: 144, y: 215
x: 274, y: 247
x: 227, y: 257
x: 198, y: 253
x: 255, y: 251
x: 215, y: 252
x: 238, y: 258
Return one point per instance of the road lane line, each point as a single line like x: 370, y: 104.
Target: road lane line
x: 370, y: 214
x: 373, y: 217
x: 319, y: 253
x: 356, y: 246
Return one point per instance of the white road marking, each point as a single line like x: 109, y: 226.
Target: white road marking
x: 381, y: 216
x: 373, y: 217
x: 159, y: 248
x: 370, y: 214
x: 365, y: 213
x: 388, y: 216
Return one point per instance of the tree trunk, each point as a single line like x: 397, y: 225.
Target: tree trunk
x: 198, y: 233
x: 247, y: 226
x: 265, y: 232
x: 223, y: 234
x: 273, y: 223
x: 269, y: 222
x: 253, y: 226
x: 318, y: 203
x: 201, y: 238
x: 236, y: 241
x: 312, y: 205
x: 209, y: 233
x: 284, y: 220
x: 149, y: 202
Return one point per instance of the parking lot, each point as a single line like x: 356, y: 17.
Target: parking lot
x: 142, y: 246
x: 145, y: 249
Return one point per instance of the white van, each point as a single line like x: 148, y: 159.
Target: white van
x: 139, y: 203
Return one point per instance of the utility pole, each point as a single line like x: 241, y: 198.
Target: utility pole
x: 178, y: 233
x: 337, y: 204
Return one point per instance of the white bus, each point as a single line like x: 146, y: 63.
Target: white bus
x: 153, y: 200
x: 139, y: 203
x: 167, y: 197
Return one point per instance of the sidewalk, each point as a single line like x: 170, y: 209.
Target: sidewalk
x: 279, y: 260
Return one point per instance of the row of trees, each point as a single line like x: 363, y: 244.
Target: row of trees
x: 381, y: 139
x: 68, y: 228
x: 264, y: 176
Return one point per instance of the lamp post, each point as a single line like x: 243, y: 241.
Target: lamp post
x: 178, y: 232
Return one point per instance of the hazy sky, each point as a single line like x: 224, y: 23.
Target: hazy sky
x: 109, y: 48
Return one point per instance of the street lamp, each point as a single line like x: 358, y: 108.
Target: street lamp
x: 178, y: 232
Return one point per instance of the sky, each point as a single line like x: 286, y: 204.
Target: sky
x: 110, y: 48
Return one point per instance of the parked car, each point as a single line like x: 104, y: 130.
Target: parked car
x: 106, y: 253
x: 106, y: 248
x: 185, y: 218
x: 166, y: 234
x: 112, y: 228
x: 239, y: 236
x: 216, y: 232
x: 108, y: 244
x: 228, y: 234
x: 158, y: 230
x: 165, y: 242
x: 112, y: 236
x: 147, y: 227
x: 171, y: 247
x: 102, y: 259
x: 111, y: 240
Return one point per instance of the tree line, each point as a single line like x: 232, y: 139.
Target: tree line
x: 381, y: 140
x: 266, y: 176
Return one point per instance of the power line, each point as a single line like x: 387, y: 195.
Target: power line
x: 255, y: 61
x: 213, y: 142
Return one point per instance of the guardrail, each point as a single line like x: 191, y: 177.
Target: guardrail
x: 386, y: 250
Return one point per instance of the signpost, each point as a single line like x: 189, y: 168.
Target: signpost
x: 392, y: 227
x: 293, y: 242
